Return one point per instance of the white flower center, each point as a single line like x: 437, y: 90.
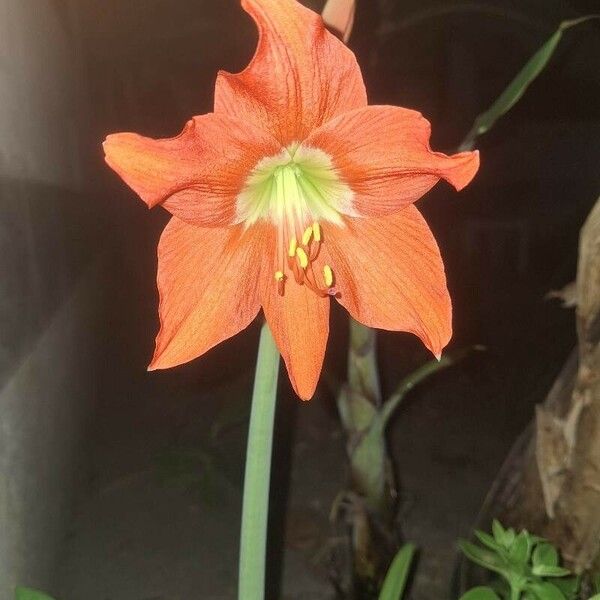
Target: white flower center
x: 298, y: 186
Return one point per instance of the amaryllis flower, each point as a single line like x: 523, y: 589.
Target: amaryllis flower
x: 293, y: 191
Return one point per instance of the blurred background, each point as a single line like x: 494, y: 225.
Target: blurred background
x: 118, y: 484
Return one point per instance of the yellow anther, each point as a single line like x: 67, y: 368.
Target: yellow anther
x: 302, y: 258
x: 306, y: 236
x: 316, y: 228
x: 328, y: 275
x: 279, y: 275
x: 293, y: 247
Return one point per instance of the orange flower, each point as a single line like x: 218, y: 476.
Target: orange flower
x: 293, y: 190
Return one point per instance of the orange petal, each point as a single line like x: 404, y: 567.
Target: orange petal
x: 339, y: 16
x: 383, y: 153
x: 390, y: 275
x: 208, y: 285
x: 301, y: 75
x: 196, y: 175
x: 299, y: 321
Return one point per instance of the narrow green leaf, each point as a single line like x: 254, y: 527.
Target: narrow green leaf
x: 595, y: 597
x: 547, y: 571
x: 597, y: 582
x: 510, y: 536
x: 500, y: 535
x: 489, y: 541
x: 517, y: 87
x: 480, y: 593
x: 23, y: 593
x: 483, y: 557
x: 397, y: 575
x: 545, y: 554
x: 418, y: 376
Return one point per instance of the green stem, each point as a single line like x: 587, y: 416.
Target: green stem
x: 255, y: 509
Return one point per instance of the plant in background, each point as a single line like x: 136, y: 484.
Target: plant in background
x: 527, y: 566
x: 363, y: 410
x: 397, y: 576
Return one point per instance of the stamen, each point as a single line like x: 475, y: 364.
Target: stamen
x: 308, y: 232
x: 316, y: 231
x: 279, y: 276
x: 302, y: 258
x: 328, y: 275
x: 293, y: 247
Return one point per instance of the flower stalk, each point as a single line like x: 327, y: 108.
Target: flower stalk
x: 255, y: 508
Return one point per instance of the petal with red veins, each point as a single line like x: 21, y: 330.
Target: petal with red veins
x: 389, y: 275
x: 196, y: 175
x: 300, y: 77
x: 208, y: 280
x: 383, y: 154
x: 299, y: 322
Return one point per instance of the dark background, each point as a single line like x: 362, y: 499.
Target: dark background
x: 157, y: 505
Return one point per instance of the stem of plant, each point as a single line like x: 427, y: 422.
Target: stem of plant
x: 255, y: 509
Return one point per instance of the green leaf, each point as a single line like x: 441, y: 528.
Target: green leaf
x: 595, y: 597
x: 569, y: 586
x: 23, y: 593
x: 545, y: 554
x: 420, y: 375
x: 397, y: 575
x: 501, y: 535
x: 546, y: 591
x: 547, y: 571
x: 597, y: 582
x: 480, y: 593
x: 517, y: 87
x: 489, y: 541
x: 498, y: 531
x: 520, y: 549
x: 483, y: 557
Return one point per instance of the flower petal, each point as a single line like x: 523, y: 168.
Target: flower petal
x: 299, y: 321
x: 301, y: 75
x: 208, y: 284
x: 196, y: 175
x: 383, y: 154
x: 390, y: 275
